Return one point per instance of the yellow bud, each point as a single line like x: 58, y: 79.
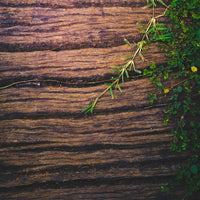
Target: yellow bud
x: 194, y: 69
x: 166, y: 91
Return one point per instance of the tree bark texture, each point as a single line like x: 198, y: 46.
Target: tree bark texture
x: 55, y: 57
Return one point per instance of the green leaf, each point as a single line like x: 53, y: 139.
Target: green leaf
x: 161, y: 29
x: 135, y: 43
x: 111, y: 93
x: 166, y: 75
x: 160, y: 24
x: 153, y: 2
x: 128, y: 57
x: 192, y: 124
x: 194, y: 169
x: 138, y: 71
x: 122, y: 78
x: 179, y: 89
x: 153, y: 65
x: 160, y: 1
x: 114, y: 70
x: 114, y: 78
x: 166, y: 121
x: 127, y: 42
x: 148, y: 4
x: 126, y: 72
x: 149, y: 31
x: 158, y: 83
x: 118, y: 87
x: 139, y: 24
x: 87, y: 108
x: 119, y: 67
x: 147, y: 72
x: 152, y: 98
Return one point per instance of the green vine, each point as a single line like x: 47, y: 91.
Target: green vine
x: 123, y: 71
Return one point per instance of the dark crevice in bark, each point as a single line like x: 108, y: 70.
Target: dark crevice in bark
x: 75, y: 82
x: 143, y: 165
x: 87, y: 182
x: 77, y: 4
x: 28, y: 47
x: 89, y: 148
x: 68, y: 115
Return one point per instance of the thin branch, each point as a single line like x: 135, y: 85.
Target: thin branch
x: 131, y: 64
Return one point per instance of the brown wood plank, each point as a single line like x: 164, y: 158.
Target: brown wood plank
x: 117, y: 190
x: 30, y: 100
x: 100, y: 164
x: 92, y: 141
x: 38, y: 159
x: 73, y: 66
x: 73, y: 4
x: 36, y: 28
x: 131, y: 130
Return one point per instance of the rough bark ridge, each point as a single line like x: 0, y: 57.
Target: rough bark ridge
x: 60, y: 53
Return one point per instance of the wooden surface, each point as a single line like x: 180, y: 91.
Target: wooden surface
x: 61, y: 53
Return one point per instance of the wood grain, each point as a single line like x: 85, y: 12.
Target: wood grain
x: 113, y: 146
x: 73, y: 4
x: 94, y: 190
x: 73, y: 100
x: 30, y: 29
x: 60, y: 53
x: 74, y: 67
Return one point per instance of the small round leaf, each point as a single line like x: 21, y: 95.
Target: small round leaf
x: 179, y: 89
x: 194, y: 169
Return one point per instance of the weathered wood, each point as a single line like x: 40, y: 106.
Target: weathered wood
x: 48, y: 149
x: 105, y: 127
x: 90, y: 150
x: 73, y: 100
x: 73, y: 4
x: 95, y: 190
x: 75, y: 67
x: 29, y: 29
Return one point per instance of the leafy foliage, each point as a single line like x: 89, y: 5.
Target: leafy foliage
x: 182, y: 45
